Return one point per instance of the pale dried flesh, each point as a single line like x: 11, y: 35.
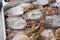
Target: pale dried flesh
x: 43, y: 24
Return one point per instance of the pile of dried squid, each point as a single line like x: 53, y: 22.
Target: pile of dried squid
x: 39, y: 20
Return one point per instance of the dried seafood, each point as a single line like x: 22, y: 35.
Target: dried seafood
x: 34, y: 14
x: 48, y: 34
x: 53, y: 20
x: 21, y: 36
x: 39, y: 20
x: 41, y: 2
x: 14, y: 12
x: 16, y: 22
